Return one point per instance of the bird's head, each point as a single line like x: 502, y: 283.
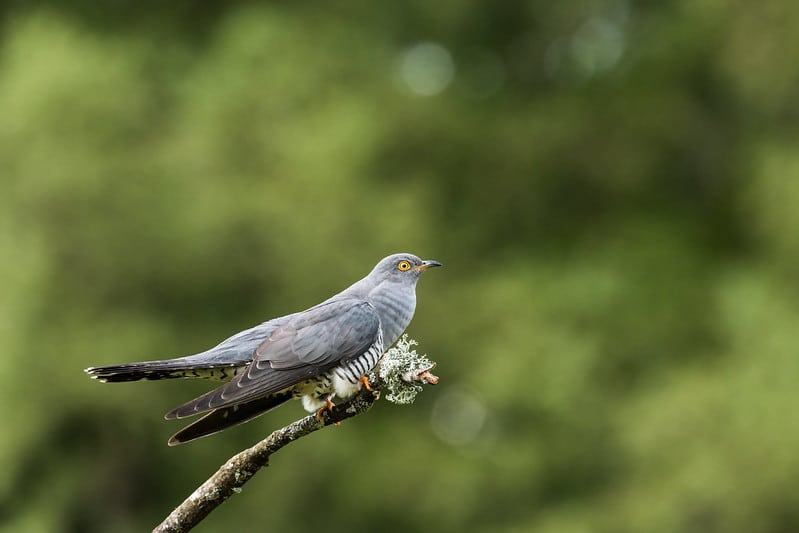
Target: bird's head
x: 402, y: 267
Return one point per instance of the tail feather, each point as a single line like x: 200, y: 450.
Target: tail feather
x: 225, y: 417
x: 167, y: 369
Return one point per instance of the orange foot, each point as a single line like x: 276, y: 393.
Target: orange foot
x: 365, y: 382
x: 329, y: 405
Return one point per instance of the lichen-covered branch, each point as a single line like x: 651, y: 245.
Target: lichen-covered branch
x: 241, y: 467
x: 400, y: 372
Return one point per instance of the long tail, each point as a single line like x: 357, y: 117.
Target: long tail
x: 223, y: 418
x: 183, y: 367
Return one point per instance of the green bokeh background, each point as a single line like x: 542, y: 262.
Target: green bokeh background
x: 612, y: 187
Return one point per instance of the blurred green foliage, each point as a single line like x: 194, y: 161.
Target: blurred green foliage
x: 612, y: 187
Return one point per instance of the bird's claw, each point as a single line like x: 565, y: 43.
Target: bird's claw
x: 329, y: 405
x: 365, y: 381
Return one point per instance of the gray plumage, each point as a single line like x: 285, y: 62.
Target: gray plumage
x: 315, y: 354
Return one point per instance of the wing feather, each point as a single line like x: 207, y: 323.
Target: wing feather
x: 306, y: 345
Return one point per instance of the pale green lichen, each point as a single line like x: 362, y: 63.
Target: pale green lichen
x: 402, y: 371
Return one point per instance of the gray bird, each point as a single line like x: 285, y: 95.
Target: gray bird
x: 316, y: 354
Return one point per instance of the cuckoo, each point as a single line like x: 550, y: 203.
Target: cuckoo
x: 317, y: 354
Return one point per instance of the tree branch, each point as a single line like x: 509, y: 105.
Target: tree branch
x: 401, y: 371
x: 232, y: 475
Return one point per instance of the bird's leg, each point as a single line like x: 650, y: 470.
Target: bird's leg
x: 365, y: 382
x: 329, y: 405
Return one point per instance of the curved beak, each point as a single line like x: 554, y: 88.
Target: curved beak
x: 427, y: 264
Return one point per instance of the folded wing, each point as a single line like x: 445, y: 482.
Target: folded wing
x: 306, y: 345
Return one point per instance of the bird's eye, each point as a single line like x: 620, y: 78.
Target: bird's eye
x: 403, y: 266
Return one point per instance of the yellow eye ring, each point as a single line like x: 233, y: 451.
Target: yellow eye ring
x: 403, y: 266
